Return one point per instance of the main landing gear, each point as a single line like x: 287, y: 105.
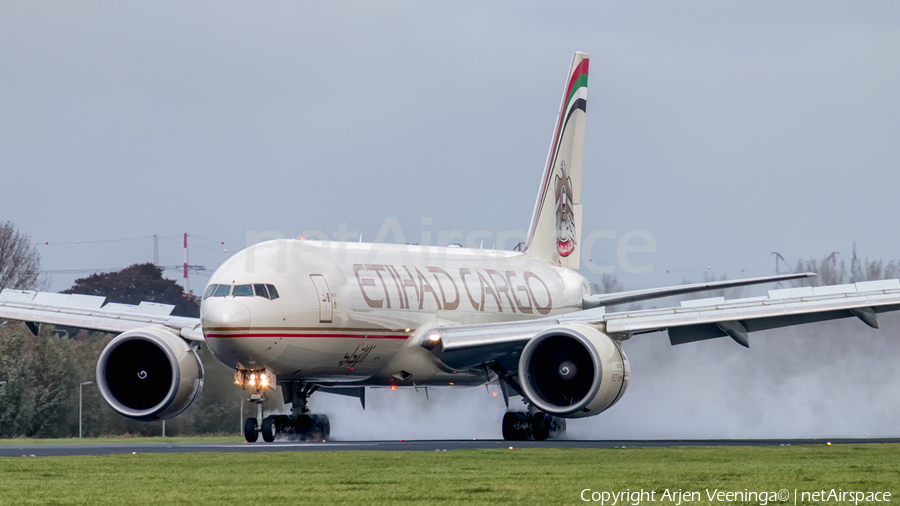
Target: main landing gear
x: 299, y: 425
x: 520, y: 425
x: 301, y: 428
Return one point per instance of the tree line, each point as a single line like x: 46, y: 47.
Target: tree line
x: 43, y: 373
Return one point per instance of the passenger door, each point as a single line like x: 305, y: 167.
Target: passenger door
x: 326, y: 305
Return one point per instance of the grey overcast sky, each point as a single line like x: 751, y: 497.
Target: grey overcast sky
x: 727, y: 130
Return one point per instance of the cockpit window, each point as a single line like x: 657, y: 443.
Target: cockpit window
x: 260, y: 290
x: 242, y: 291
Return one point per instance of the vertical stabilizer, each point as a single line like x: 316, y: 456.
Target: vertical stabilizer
x: 555, y: 232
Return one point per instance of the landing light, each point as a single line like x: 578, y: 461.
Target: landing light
x: 258, y: 379
x: 431, y: 340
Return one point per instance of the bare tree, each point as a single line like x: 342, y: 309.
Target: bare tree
x: 20, y: 262
x: 609, y: 284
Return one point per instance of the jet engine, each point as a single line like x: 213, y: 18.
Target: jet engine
x: 572, y: 371
x: 149, y: 374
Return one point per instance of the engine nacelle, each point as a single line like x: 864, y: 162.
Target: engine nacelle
x: 149, y: 374
x: 573, y: 370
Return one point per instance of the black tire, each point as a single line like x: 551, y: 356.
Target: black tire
x: 320, y: 429
x: 523, y: 425
x: 557, y: 428
x: 250, y: 433
x: 540, y: 426
x: 304, y: 427
x: 509, y: 426
x: 268, y: 429
x: 282, y: 423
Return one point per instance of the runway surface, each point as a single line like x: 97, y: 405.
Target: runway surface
x: 47, y: 450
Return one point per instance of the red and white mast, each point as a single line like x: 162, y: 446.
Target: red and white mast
x: 187, y: 287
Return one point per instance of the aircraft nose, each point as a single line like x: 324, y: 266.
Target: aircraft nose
x: 226, y: 315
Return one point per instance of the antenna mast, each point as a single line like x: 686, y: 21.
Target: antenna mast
x: 778, y: 266
x: 187, y: 287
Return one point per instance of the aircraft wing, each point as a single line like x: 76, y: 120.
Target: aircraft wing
x: 471, y: 346
x: 612, y: 299
x: 92, y: 312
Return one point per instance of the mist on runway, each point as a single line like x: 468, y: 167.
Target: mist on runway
x: 820, y: 380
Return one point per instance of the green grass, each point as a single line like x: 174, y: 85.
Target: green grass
x: 527, y: 476
x: 123, y: 439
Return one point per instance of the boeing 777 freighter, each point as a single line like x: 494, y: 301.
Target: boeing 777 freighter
x: 297, y: 317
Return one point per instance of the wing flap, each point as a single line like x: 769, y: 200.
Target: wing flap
x: 68, y: 300
x: 756, y: 316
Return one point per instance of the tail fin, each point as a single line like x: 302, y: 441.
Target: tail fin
x: 555, y: 232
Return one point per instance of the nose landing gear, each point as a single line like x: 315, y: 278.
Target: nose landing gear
x: 252, y: 428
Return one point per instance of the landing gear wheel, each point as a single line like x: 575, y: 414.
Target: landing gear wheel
x: 324, y: 427
x: 282, y: 424
x: 516, y: 426
x: 303, y: 427
x: 312, y: 427
x: 250, y: 432
x: 268, y: 429
x: 523, y: 426
x: 509, y: 426
x: 557, y: 427
x: 541, y: 426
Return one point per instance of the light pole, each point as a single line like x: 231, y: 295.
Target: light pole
x: 2, y: 383
x: 80, y: 387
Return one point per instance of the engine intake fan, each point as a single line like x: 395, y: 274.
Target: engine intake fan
x: 573, y: 370
x: 149, y: 374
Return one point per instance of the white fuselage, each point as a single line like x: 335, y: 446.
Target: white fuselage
x: 345, y: 312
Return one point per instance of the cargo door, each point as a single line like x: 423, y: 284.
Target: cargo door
x: 326, y: 308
